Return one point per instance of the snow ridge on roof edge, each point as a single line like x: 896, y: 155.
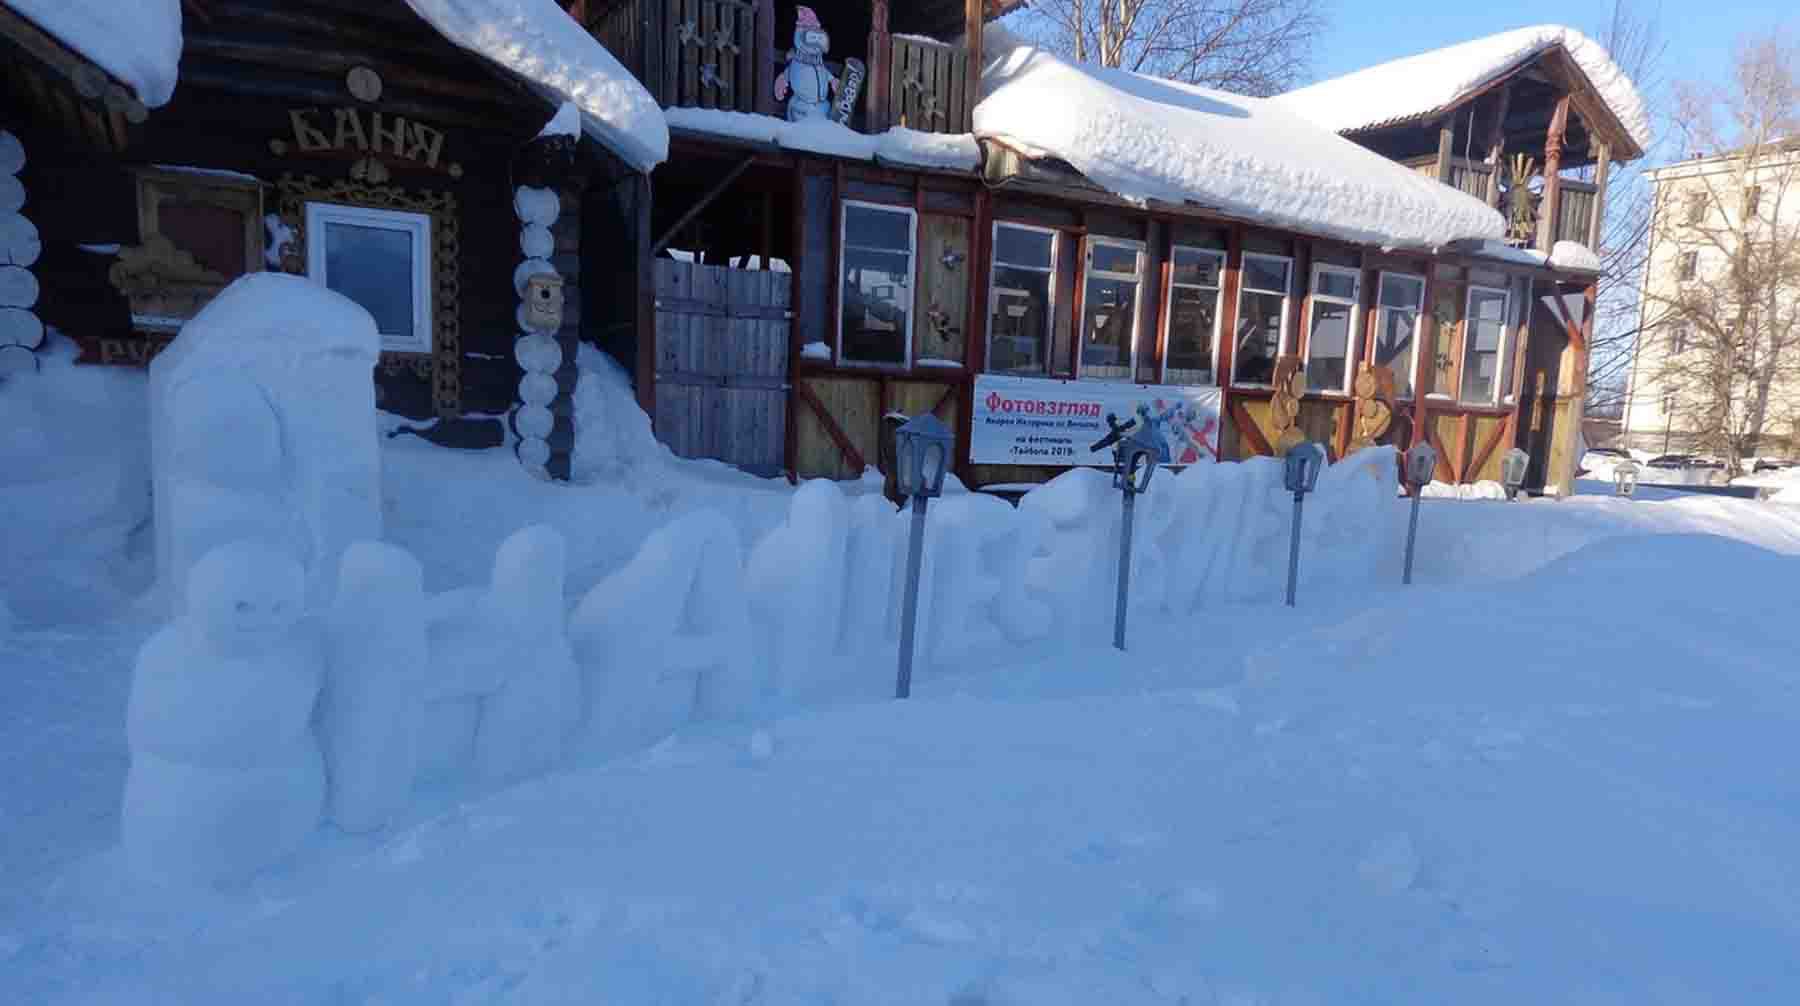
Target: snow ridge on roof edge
x: 138, y: 42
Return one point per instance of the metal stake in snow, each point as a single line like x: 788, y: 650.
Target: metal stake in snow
x: 1134, y: 461
x: 1300, y: 474
x: 1421, y: 463
x: 921, y: 458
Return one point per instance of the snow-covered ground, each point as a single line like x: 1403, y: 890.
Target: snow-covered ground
x: 1554, y: 770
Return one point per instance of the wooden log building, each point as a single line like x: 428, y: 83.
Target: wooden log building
x: 775, y: 289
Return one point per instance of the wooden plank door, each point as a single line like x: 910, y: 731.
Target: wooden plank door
x: 721, y: 363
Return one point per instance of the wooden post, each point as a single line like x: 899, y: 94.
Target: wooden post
x: 1496, y: 155
x: 880, y: 68
x: 974, y: 17
x: 1446, y: 144
x: 1553, y: 151
x: 646, y: 285
x: 1601, y: 169
x: 1424, y: 356
x: 765, y: 57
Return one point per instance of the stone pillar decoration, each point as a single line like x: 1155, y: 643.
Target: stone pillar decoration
x: 21, y: 332
x: 543, y: 421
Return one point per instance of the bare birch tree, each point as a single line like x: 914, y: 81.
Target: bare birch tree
x: 1729, y: 225
x: 1256, y: 47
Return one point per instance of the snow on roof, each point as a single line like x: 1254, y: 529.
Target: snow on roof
x: 1574, y: 256
x: 540, y: 42
x: 138, y: 42
x: 1430, y: 81
x: 1143, y: 138
x: 899, y: 145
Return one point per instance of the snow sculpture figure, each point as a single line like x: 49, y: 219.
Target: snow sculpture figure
x: 805, y: 82
x: 792, y: 571
x: 226, y: 776
x: 668, y: 637
x: 369, y: 715
x: 506, y: 694
x: 262, y: 425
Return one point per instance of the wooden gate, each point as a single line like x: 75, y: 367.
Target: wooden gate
x: 721, y: 363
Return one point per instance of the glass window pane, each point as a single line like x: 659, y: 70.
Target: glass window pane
x: 1113, y: 258
x: 1403, y: 292
x: 1266, y: 274
x: 868, y: 227
x: 1258, y: 337
x: 1020, y: 322
x: 374, y: 267
x: 877, y: 306
x: 1108, y: 316
x: 1197, y: 268
x: 1394, y: 331
x: 1192, y: 315
x: 1331, y: 283
x: 1481, y: 344
x: 1018, y: 246
x: 1328, y: 351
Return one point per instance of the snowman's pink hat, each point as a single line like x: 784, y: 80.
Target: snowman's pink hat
x: 807, y: 19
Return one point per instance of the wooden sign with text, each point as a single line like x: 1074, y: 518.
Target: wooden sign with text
x: 354, y: 132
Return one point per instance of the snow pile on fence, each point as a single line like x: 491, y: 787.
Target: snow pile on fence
x: 139, y: 42
x: 499, y: 682
x: 1144, y: 138
x: 897, y: 145
x: 540, y: 42
x: 1420, y: 85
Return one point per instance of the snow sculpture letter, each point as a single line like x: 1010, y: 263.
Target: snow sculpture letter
x: 668, y: 637
x: 806, y: 83
x: 369, y: 715
x: 792, y: 580
x: 506, y: 691
x: 226, y: 776
x: 262, y: 426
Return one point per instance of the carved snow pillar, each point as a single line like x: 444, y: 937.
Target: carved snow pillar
x: 21, y: 333
x: 542, y: 420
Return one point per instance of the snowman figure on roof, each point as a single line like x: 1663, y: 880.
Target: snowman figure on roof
x: 806, y: 83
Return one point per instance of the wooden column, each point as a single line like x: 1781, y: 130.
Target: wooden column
x: 1497, y: 144
x: 1446, y: 144
x: 974, y: 17
x: 880, y: 69
x: 765, y: 57
x: 1424, y: 357
x: 1553, y: 151
x: 1602, y: 167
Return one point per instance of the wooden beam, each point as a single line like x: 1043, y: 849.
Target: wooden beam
x: 1602, y: 167
x: 1446, y: 147
x: 1553, y: 152
x: 852, y: 456
x: 699, y: 207
x: 1497, y: 142
x: 765, y: 57
x: 1247, y: 428
x: 974, y: 16
x: 880, y: 69
x: 1494, y: 440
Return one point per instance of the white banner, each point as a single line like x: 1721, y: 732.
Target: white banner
x: 1035, y: 421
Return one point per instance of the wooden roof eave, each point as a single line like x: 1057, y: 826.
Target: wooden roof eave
x: 93, y: 105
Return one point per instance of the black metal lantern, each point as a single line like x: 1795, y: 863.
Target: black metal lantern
x: 1625, y: 475
x: 1302, y: 466
x: 1512, y: 471
x: 1134, y: 461
x: 1421, y: 465
x: 922, y: 456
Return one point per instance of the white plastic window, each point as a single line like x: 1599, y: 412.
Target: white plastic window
x: 1484, y: 344
x: 1332, y: 338
x: 380, y: 259
x: 1192, y: 316
x: 1399, y: 301
x: 1266, y: 281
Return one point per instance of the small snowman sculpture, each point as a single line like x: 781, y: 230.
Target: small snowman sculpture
x: 806, y: 83
x: 226, y: 776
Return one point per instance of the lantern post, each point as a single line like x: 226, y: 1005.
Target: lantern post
x: 1134, y: 461
x: 1421, y: 463
x: 921, y: 458
x: 1300, y: 473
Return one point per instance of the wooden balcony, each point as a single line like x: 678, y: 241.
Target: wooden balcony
x: 1574, y: 214
x: 927, y: 86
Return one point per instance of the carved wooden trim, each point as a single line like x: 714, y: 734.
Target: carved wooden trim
x: 1284, y: 408
x: 1374, y: 411
x: 443, y: 365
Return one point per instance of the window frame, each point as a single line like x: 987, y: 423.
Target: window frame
x: 1168, y: 310
x: 1418, y: 312
x: 912, y: 280
x: 1354, y: 302
x: 1141, y: 250
x: 418, y: 226
x: 1678, y: 338
x: 1287, y: 309
x: 1500, y: 357
x: 1056, y: 249
x: 1687, y: 266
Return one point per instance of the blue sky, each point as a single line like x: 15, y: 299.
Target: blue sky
x: 1700, y: 36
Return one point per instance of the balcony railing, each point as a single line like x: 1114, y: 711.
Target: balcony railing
x: 927, y: 87
x: 695, y: 53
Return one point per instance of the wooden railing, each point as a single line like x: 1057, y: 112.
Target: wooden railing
x: 1466, y: 175
x: 694, y: 53
x: 927, y: 86
x: 1575, y: 214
